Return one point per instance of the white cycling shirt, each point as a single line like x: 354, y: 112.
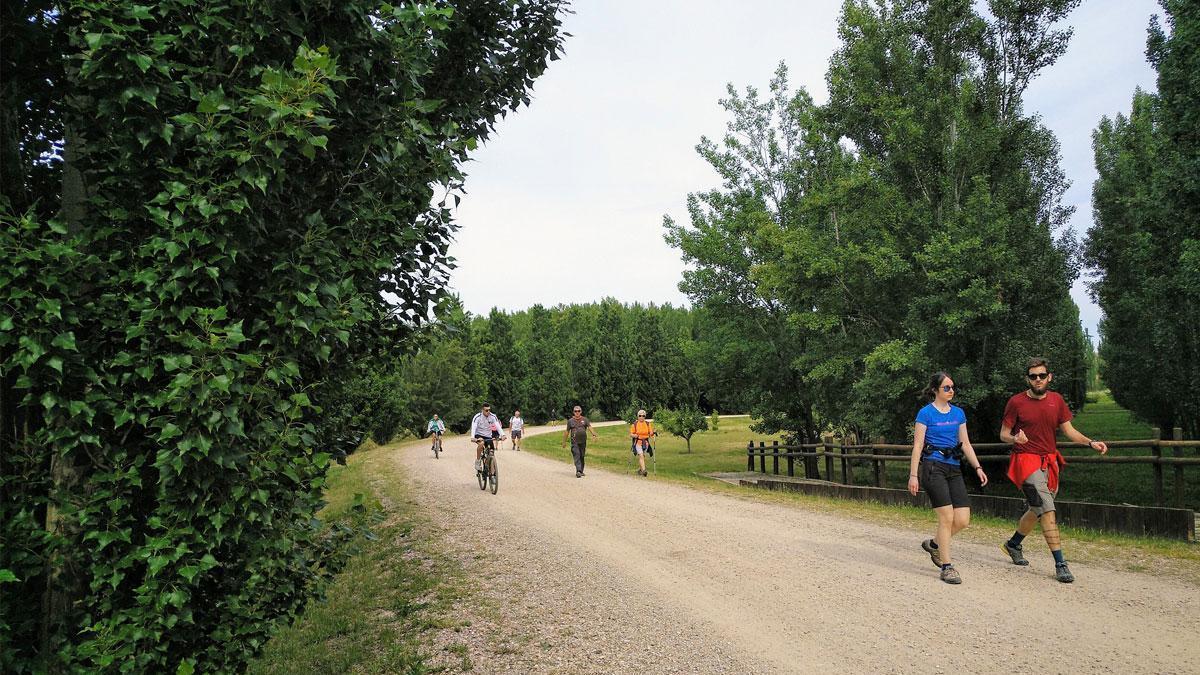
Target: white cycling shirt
x: 516, y: 424
x: 481, y: 425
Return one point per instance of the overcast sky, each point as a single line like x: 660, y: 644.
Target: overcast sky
x: 565, y: 203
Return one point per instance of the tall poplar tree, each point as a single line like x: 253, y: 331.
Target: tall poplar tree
x: 1145, y: 243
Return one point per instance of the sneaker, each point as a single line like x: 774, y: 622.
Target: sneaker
x: 950, y: 575
x: 478, y: 465
x: 579, y: 474
x: 1015, y: 552
x: 1063, y: 573
x: 934, y: 555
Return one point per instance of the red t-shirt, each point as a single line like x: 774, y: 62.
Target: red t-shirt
x: 1039, y: 418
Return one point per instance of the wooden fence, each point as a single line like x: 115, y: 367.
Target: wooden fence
x: 811, y: 456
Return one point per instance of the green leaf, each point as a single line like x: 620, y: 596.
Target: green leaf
x: 212, y: 102
x: 142, y: 61
x: 65, y: 341
x: 6, y: 576
x: 121, y: 417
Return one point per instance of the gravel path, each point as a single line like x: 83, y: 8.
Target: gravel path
x: 616, y: 573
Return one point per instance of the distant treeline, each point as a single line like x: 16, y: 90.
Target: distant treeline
x: 609, y: 358
x: 605, y: 357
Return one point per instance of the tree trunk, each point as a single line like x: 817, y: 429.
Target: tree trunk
x: 64, y: 475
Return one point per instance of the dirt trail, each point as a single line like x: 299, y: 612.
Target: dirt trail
x: 617, y: 573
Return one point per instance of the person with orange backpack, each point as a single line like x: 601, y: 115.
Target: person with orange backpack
x: 640, y: 432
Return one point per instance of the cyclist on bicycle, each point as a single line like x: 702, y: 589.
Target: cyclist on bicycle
x: 435, y: 428
x: 481, y: 433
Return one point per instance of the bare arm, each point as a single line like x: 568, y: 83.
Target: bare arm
x: 1072, y: 433
x: 969, y: 452
x: 1007, y: 436
x: 918, y: 445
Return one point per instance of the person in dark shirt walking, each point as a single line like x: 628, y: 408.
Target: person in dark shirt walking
x: 1031, y: 419
x: 577, y: 430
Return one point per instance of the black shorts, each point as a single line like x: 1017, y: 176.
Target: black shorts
x: 944, y: 484
x: 487, y: 442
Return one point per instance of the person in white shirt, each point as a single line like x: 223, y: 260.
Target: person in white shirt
x: 482, y: 425
x: 516, y: 429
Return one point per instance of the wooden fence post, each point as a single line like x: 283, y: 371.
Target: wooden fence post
x: 827, y: 447
x: 846, y: 476
x: 762, y: 456
x: 791, y: 461
x: 750, y: 456
x: 878, y: 468
x: 811, y: 470
x: 1158, y: 472
x: 1178, y: 452
x: 775, y: 457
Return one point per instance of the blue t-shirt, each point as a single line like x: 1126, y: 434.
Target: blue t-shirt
x: 941, y: 430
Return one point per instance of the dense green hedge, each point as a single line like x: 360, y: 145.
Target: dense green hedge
x: 234, y: 220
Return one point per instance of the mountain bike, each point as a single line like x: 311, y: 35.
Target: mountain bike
x: 437, y: 445
x: 487, y: 474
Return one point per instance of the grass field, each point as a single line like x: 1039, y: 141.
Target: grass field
x: 1122, y: 483
x: 721, y: 450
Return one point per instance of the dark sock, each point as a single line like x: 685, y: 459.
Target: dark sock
x: 1058, y: 557
x: 945, y: 565
x: 1016, y: 539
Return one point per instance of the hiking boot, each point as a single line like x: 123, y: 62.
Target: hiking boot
x: 934, y: 555
x: 1063, y: 573
x: 950, y: 575
x: 1015, y: 552
x: 579, y: 474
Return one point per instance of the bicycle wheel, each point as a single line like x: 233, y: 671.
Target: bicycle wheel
x: 437, y: 446
x: 493, y: 479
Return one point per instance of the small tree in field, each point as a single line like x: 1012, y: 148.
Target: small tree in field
x: 684, y: 422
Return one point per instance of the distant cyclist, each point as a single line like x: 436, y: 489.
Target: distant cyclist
x: 435, y: 428
x: 483, y: 425
x: 516, y: 429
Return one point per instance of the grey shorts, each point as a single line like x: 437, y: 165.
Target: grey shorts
x: 1037, y: 493
x: 516, y: 434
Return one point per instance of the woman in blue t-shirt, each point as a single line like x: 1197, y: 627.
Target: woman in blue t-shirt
x: 940, y: 444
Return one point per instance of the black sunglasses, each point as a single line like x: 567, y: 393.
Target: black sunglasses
x: 948, y: 387
x: 1037, y: 376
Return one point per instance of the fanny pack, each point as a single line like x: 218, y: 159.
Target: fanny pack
x: 955, y: 453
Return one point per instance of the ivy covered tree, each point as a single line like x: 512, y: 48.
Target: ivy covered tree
x: 212, y: 215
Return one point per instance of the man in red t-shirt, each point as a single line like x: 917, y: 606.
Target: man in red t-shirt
x: 1031, y: 419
